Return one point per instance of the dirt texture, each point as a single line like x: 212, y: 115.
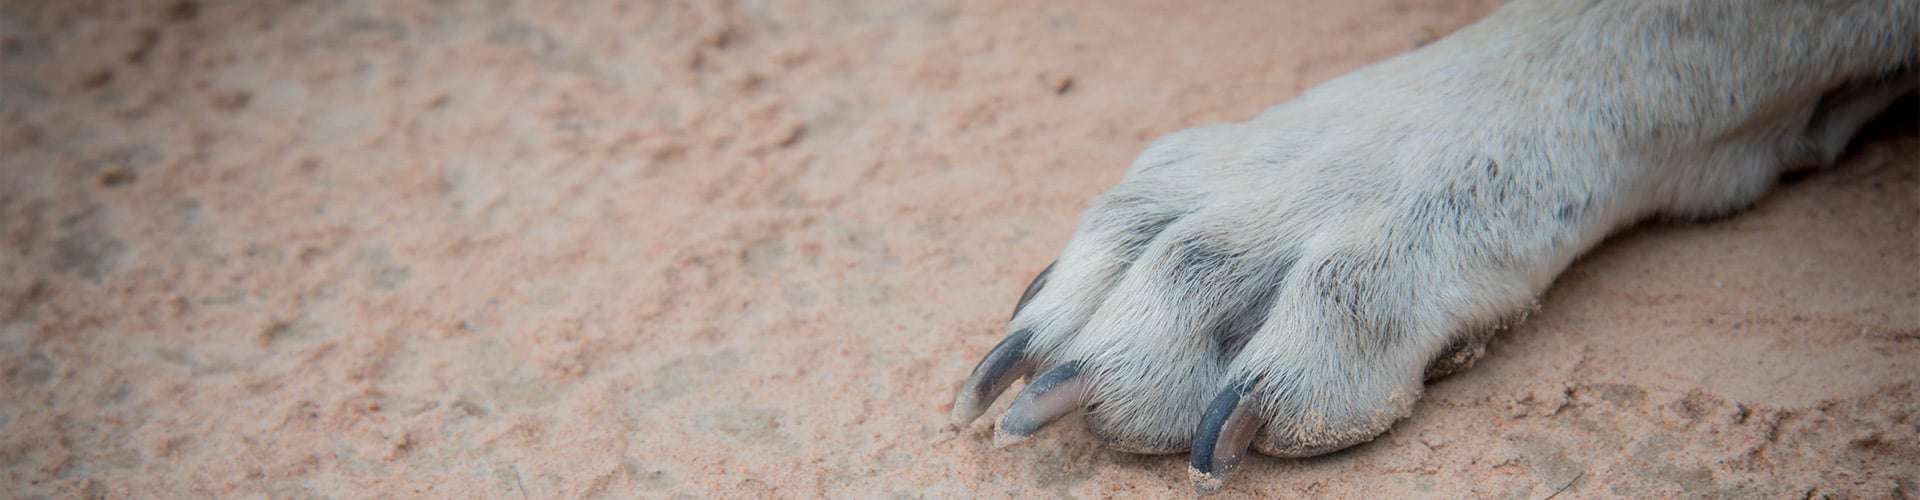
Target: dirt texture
x: 569, y: 249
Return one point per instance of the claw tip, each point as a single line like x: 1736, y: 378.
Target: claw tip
x: 1003, y: 439
x: 1205, y: 483
x: 963, y: 414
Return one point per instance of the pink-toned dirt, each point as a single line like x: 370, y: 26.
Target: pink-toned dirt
x: 574, y: 249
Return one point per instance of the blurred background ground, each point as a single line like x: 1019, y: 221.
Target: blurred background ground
x: 572, y: 249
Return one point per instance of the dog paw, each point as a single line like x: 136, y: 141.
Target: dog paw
x: 1280, y: 287
x: 1287, y: 284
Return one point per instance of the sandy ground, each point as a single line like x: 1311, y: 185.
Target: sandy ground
x: 571, y: 249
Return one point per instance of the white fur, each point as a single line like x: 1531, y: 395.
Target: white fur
x: 1417, y: 203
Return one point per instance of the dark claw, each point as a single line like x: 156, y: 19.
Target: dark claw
x: 1057, y: 392
x: 1226, y: 432
x: 1033, y: 287
x: 1002, y: 365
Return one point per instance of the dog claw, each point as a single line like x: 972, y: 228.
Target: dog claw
x: 1033, y: 287
x: 1001, y: 366
x: 1054, y: 393
x: 1226, y: 433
